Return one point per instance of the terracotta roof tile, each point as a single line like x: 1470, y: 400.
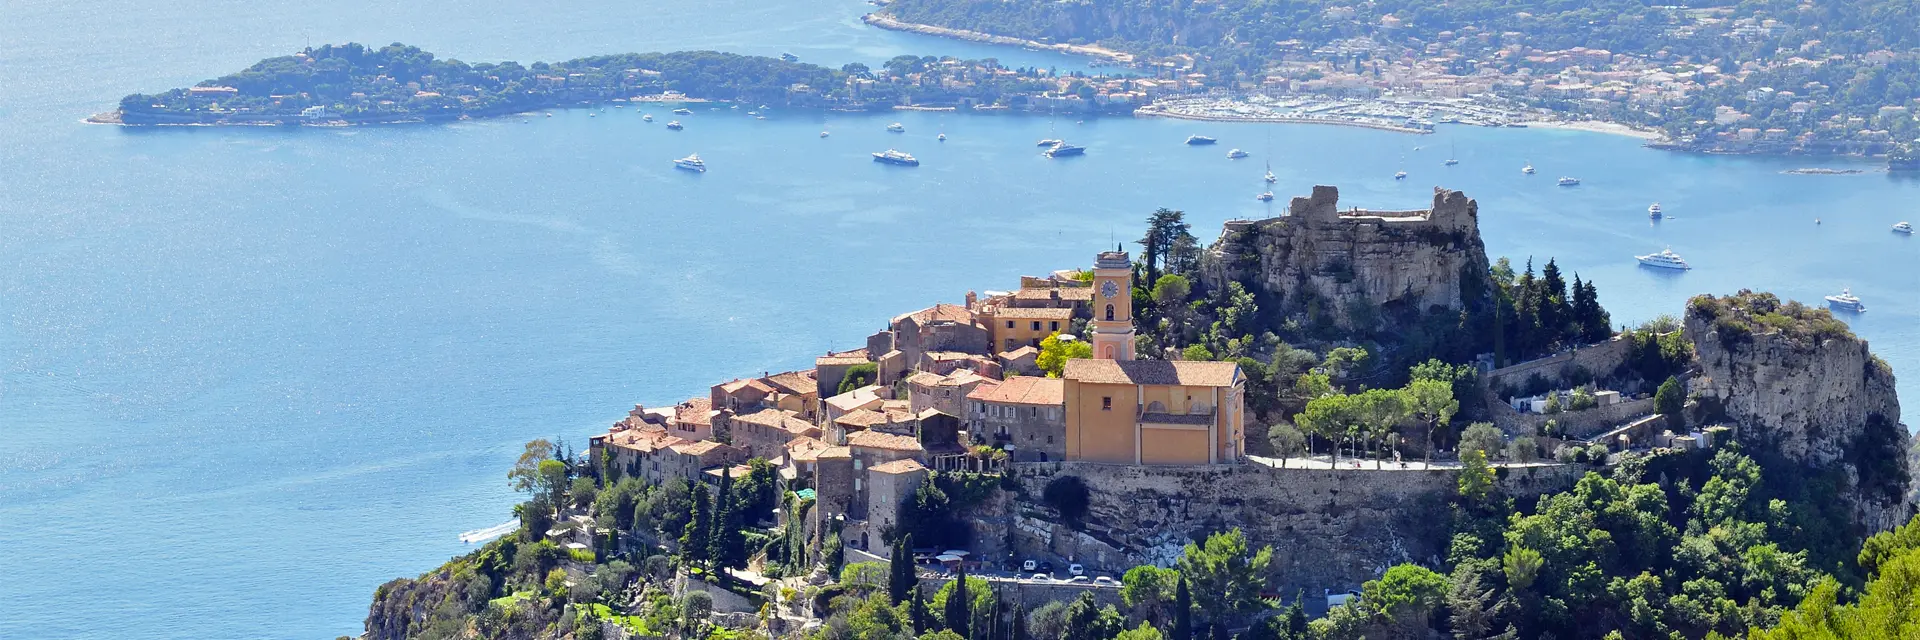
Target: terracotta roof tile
x: 881, y: 440
x: 1022, y: 352
x: 938, y: 313
x: 697, y: 448
x: 804, y: 449
x: 1023, y: 390
x: 862, y: 418
x: 1078, y: 294
x: 1033, y: 313
x: 799, y: 382
x: 1181, y: 372
x: 856, y: 356
x: 904, y: 465
x: 835, y: 452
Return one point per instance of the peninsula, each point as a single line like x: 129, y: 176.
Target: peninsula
x: 352, y: 84
x: 1335, y: 424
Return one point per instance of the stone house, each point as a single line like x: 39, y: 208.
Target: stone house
x: 830, y: 369
x: 946, y: 393
x: 867, y: 397
x: 692, y: 420
x: 945, y: 362
x: 796, y: 391
x: 656, y: 455
x: 1016, y: 327
x: 1024, y: 415
x: 892, y: 484
x: 690, y: 459
x: 765, y: 433
x: 942, y: 327
x: 1024, y: 361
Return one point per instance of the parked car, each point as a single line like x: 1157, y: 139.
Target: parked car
x: 1029, y: 566
x: 1041, y: 577
x: 1046, y: 567
x: 1104, y: 580
x: 1337, y: 599
x: 1079, y: 580
x: 1076, y: 569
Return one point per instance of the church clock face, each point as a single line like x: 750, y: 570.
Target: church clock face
x: 1109, y: 289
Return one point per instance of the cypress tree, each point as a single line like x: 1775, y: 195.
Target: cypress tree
x: 727, y: 546
x: 1182, y: 612
x: 922, y: 623
x: 1019, y: 622
x: 693, y: 541
x: 900, y: 569
x: 1553, y: 302
x: 958, y: 616
x: 1296, y: 619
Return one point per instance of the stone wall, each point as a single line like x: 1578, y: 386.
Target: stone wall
x: 1330, y: 528
x: 1560, y: 369
x: 1032, y: 595
x: 1356, y: 264
x: 1576, y: 424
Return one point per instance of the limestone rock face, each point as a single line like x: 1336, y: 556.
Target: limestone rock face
x: 1329, y: 528
x: 1359, y: 267
x: 1821, y: 400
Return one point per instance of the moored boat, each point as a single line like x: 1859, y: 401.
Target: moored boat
x: 1198, y: 140
x: 1846, y: 301
x: 1903, y: 227
x: 897, y: 127
x: 892, y: 156
x: 675, y: 125
x: 1566, y: 181
x: 1666, y: 259
x: 691, y: 163
x: 1236, y: 154
x: 1063, y: 149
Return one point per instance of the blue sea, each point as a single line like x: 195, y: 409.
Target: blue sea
x: 248, y: 375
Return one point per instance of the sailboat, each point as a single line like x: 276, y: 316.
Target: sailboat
x: 1270, y: 178
x: 1450, y: 158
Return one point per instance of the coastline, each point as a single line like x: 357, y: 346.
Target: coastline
x: 1096, y: 51
x: 1146, y: 112
x: 1595, y: 126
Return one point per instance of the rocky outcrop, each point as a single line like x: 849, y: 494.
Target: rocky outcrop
x: 1801, y: 387
x: 1329, y: 528
x: 1358, y: 269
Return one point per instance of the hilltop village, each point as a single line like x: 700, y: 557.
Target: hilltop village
x: 951, y: 387
x: 1083, y: 457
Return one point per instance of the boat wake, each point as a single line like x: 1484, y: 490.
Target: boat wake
x: 489, y: 533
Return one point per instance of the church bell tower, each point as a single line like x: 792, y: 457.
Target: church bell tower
x: 1112, y: 325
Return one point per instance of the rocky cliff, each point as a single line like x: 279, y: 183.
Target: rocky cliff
x: 1358, y: 269
x: 1800, y: 386
x: 1329, y: 528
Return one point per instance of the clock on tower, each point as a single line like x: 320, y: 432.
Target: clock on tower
x: 1112, y: 325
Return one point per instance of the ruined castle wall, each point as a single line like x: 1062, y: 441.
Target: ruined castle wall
x: 1560, y: 369
x: 1395, y: 261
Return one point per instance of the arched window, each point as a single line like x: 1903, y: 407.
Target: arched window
x: 1106, y: 352
x: 1109, y: 313
x: 1156, y: 407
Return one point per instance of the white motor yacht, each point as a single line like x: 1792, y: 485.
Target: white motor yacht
x: 691, y: 163
x: 1653, y: 211
x: 1845, y: 301
x: 897, y: 127
x: 1903, y: 227
x: 1236, y: 154
x: 1666, y: 259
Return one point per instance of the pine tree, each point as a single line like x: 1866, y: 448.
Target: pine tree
x: 959, y: 618
x: 1526, y: 314
x: 1182, y: 612
x: 900, y: 576
x: 693, y: 541
x: 1295, y: 627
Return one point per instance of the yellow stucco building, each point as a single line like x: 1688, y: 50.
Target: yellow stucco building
x: 1126, y: 411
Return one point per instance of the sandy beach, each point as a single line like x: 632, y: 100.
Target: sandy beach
x: 1598, y: 127
x: 1096, y: 51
